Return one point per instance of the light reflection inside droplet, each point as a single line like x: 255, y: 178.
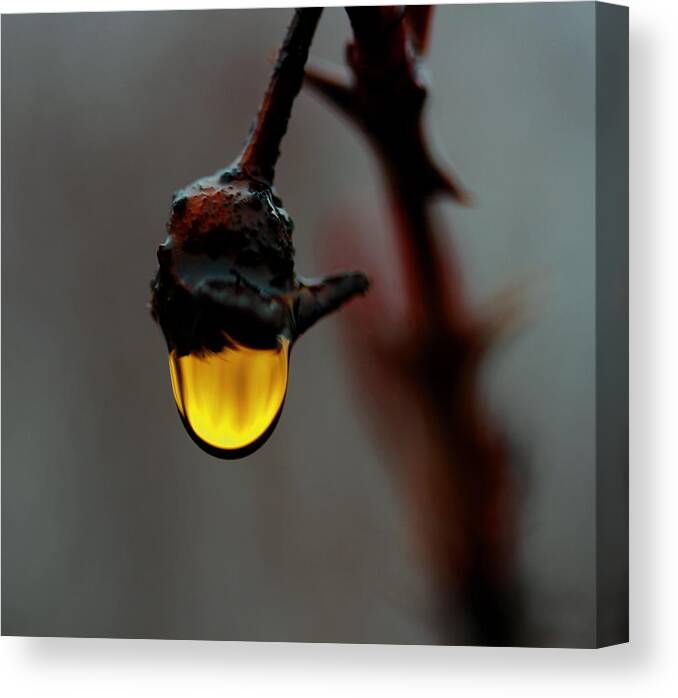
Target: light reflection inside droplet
x: 229, y: 400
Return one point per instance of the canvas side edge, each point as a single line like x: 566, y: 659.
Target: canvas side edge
x: 612, y: 325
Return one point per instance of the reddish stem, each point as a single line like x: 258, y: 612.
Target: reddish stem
x: 465, y: 497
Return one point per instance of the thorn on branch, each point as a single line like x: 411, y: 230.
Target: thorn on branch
x: 387, y: 96
x: 317, y: 298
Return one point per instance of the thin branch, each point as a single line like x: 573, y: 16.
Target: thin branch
x: 262, y: 149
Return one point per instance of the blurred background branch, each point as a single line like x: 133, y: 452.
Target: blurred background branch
x: 459, y: 480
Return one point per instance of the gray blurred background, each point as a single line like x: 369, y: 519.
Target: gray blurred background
x: 113, y: 522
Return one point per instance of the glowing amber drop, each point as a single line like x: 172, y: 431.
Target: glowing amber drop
x: 230, y: 401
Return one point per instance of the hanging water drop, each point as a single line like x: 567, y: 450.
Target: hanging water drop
x: 230, y: 401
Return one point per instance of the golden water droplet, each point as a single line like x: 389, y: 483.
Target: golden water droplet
x: 230, y: 401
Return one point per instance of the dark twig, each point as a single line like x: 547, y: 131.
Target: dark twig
x: 262, y: 150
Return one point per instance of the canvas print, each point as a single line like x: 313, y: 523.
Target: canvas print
x: 315, y: 324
